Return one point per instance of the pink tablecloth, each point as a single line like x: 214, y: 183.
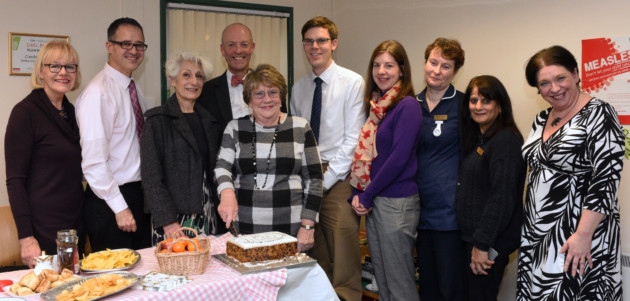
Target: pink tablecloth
x: 219, y: 282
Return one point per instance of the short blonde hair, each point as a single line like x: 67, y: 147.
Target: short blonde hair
x: 55, y: 49
x: 267, y: 75
x: 174, y: 63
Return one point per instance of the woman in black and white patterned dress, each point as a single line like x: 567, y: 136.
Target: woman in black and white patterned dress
x: 570, y: 237
x: 268, y: 172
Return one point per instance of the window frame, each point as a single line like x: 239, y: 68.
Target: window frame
x: 224, y: 4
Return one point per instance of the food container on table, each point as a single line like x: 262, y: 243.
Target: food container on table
x: 68, y: 250
x: 184, y: 263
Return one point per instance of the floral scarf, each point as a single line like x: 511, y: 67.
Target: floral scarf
x: 365, y: 151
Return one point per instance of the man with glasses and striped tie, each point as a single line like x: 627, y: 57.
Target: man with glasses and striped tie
x: 331, y: 99
x: 110, y: 117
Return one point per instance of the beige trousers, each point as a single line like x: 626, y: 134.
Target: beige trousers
x: 337, y: 242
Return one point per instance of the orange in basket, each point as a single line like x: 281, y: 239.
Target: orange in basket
x: 191, y: 262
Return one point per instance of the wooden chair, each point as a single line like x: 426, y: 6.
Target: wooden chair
x: 10, y: 252
x: 10, y: 255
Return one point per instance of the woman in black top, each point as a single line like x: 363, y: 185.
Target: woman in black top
x: 178, y: 149
x: 43, y: 155
x: 489, y: 199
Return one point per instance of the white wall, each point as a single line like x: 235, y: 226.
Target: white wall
x: 85, y: 22
x: 497, y: 35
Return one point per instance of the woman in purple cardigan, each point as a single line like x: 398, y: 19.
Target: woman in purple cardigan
x: 43, y: 155
x: 383, y: 171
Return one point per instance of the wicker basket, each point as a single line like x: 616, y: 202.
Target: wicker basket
x: 184, y: 263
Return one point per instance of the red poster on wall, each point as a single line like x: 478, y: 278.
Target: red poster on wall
x: 606, y: 72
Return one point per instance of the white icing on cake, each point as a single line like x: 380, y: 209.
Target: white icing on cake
x: 265, y: 239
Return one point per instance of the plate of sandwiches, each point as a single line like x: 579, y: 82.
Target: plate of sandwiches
x: 33, y: 284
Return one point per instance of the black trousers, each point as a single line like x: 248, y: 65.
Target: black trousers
x: 440, y: 265
x: 100, y: 221
x: 485, y: 287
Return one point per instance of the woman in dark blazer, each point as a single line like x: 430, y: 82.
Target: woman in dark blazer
x: 179, y: 149
x: 43, y: 155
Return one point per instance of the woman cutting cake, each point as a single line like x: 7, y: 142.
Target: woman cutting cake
x: 269, y: 172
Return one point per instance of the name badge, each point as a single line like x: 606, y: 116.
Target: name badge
x: 480, y: 150
x: 440, y: 117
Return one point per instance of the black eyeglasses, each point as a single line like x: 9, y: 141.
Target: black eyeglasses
x: 56, y: 68
x: 128, y: 45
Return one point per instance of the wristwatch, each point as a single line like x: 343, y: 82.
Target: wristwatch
x: 308, y: 227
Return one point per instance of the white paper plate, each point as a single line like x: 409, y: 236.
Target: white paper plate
x: 7, y: 290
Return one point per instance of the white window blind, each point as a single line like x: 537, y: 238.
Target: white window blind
x: 191, y: 28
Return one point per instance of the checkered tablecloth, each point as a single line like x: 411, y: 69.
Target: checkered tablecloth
x: 219, y: 282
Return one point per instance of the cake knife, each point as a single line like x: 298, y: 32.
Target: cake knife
x: 233, y: 230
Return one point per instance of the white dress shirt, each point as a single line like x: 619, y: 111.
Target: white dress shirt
x: 342, y: 116
x: 110, y: 146
x: 239, y: 108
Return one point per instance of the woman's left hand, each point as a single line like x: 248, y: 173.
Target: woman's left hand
x: 479, y: 262
x: 173, y: 230
x: 577, y: 251
x: 577, y: 248
x: 29, y: 249
x: 358, y: 208
x: 306, y: 239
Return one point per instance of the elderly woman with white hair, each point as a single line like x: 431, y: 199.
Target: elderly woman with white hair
x: 179, y: 150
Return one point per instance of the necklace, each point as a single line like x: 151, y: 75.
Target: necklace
x: 63, y: 113
x: 275, y: 135
x: 556, y: 120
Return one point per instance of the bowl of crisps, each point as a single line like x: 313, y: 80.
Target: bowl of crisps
x: 110, y: 260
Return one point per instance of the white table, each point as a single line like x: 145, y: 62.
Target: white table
x: 220, y: 282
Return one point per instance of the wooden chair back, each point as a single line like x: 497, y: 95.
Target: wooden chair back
x: 9, y: 244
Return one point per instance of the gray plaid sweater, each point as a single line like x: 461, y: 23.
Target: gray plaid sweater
x: 294, y: 184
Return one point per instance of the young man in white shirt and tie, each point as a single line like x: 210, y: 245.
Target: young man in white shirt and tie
x: 336, y: 128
